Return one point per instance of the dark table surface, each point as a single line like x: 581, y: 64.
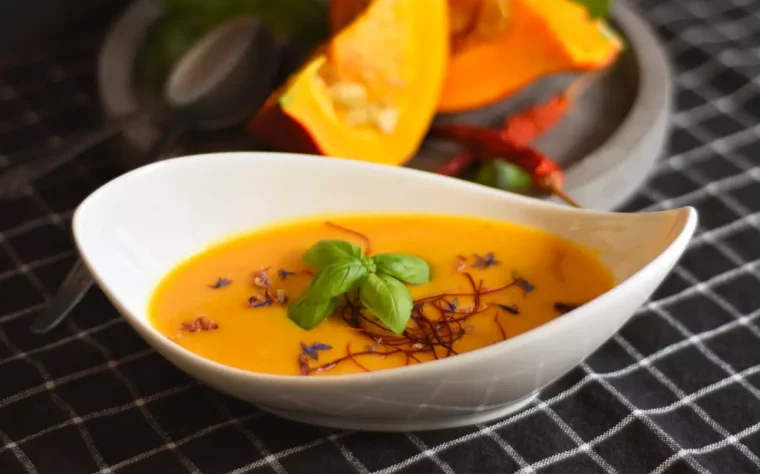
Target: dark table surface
x: 677, y: 390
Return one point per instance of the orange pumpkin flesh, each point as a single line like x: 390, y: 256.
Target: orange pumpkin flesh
x: 544, y: 37
x: 501, y: 46
x: 397, y: 50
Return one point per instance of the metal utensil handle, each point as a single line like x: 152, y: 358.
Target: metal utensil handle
x: 164, y: 142
x: 74, y: 287
x: 78, y: 281
x: 26, y: 173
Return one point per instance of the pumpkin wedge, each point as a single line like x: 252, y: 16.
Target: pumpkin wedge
x: 501, y: 46
x: 541, y: 37
x: 369, y: 94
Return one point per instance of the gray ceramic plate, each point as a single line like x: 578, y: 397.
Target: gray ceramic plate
x: 607, y: 144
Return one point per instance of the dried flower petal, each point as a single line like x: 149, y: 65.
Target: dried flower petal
x: 261, y: 279
x: 526, y: 286
x: 220, y: 283
x: 256, y: 301
x: 312, y: 350
x: 513, y: 309
x: 281, y: 298
x: 486, y: 261
x: 303, y: 364
x: 283, y: 274
x: 201, y: 323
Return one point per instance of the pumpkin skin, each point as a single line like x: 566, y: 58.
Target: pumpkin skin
x: 542, y: 37
x: 408, y: 40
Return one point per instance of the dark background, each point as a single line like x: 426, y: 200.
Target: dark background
x: 27, y: 22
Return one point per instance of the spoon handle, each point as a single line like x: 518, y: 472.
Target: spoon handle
x: 164, y: 142
x: 78, y: 281
x: 74, y: 287
x: 26, y: 173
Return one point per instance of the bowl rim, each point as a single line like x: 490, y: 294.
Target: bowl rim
x: 643, y: 274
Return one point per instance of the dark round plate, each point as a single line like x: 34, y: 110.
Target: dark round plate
x: 607, y: 144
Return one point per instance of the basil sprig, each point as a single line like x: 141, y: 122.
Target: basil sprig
x: 342, y: 267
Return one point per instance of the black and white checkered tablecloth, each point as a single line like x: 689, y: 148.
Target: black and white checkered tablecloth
x: 677, y: 390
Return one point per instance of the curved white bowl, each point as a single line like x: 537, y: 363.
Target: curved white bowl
x: 134, y: 229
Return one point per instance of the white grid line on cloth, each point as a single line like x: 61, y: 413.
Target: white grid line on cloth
x: 643, y: 417
x: 706, y: 351
x: 583, y: 447
x: 667, y: 13
x: 721, y: 278
x: 677, y: 391
x: 21, y: 313
x: 508, y: 448
x: 707, y: 150
x: 727, y: 184
x: 293, y: 450
x: 714, y: 107
x: 349, y: 456
x: 428, y: 453
x: 731, y: 255
x: 106, y: 412
x: 189, y: 438
x: 58, y: 401
x: 71, y: 377
x: 684, y: 400
x: 731, y: 440
x: 252, y: 438
x: 138, y: 399
x: 27, y: 267
x: 62, y: 341
x: 591, y: 375
x: 20, y: 455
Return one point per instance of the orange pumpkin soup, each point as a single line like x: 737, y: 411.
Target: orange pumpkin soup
x: 361, y: 293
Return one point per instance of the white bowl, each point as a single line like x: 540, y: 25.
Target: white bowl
x: 134, y: 229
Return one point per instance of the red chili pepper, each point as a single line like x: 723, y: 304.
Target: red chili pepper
x: 524, y: 127
x: 456, y: 165
x: 484, y: 144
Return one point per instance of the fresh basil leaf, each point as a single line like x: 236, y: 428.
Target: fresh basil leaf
x: 596, y: 8
x: 407, y: 268
x: 328, y: 252
x: 336, y: 279
x: 388, y: 299
x: 307, y: 313
x: 369, y: 263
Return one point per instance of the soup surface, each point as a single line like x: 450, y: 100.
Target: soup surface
x: 489, y: 281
